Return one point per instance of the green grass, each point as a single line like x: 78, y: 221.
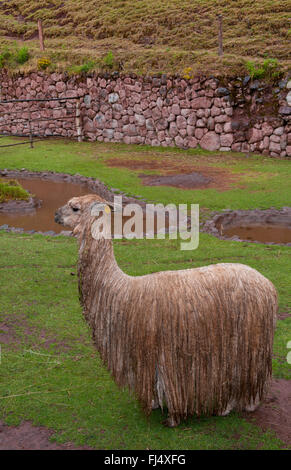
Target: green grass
x: 263, y: 182
x: 10, y: 190
x: 147, y: 36
x: 65, y: 387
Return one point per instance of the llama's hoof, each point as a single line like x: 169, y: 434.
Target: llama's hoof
x: 171, y: 422
x: 253, y: 405
x: 231, y: 406
x: 155, y: 404
x: 224, y: 413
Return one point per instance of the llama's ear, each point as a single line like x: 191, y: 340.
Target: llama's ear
x: 105, y: 206
x: 98, y: 207
x: 114, y: 206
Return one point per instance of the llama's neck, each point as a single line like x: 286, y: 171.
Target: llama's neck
x: 99, y: 273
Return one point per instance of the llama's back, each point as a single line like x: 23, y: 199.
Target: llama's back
x: 210, y: 331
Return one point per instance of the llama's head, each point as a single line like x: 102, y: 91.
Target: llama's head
x: 71, y: 213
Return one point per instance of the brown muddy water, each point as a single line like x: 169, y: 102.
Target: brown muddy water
x: 261, y: 233
x: 53, y: 195
x: 270, y: 226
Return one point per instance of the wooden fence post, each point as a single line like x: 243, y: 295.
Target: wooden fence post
x: 40, y: 35
x: 30, y: 130
x: 220, y: 45
x: 78, y: 122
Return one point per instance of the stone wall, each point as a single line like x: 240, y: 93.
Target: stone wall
x: 238, y: 114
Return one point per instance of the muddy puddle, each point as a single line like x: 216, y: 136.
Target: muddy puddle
x: 260, y: 233
x: 52, y: 195
x: 192, y: 180
x: 263, y: 226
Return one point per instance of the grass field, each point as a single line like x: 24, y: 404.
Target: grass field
x: 50, y: 373
x: 148, y: 36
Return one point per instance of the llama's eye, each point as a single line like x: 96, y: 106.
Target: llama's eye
x: 75, y: 209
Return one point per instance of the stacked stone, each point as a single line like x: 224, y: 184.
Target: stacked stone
x: 158, y: 111
x: 38, y: 86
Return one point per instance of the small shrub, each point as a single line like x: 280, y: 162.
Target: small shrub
x: 272, y: 69
x: 4, y: 57
x: 269, y: 69
x: 84, y: 68
x: 87, y: 66
x: 43, y: 63
x: 22, y: 55
x: 109, y: 60
x: 6, y: 54
x: 254, y: 71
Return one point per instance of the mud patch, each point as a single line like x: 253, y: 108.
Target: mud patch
x: 29, y: 437
x: 14, y: 330
x: 268, y: 226
x: 7, y: 335
x: 180, y: 175
x: 275, y: 412
x: 190, y: 181
x: 283, y: 315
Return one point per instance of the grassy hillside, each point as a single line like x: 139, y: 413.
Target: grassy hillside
x: 150, y: 36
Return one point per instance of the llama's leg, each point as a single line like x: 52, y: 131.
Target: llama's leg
x: 172, y: 421
x: 254, y: 404
x: 230, y: 406
x: 155, y: 403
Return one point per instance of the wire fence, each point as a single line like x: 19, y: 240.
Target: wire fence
x: 38, y: 122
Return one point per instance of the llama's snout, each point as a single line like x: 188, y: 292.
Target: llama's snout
x: 58, y: 217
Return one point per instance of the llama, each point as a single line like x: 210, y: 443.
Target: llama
x: 196, y: 341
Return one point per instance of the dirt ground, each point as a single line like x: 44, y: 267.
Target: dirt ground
x: 14, y: 337
x: 29, y: 437
x: 180, y: 175
x: 275, y: 412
